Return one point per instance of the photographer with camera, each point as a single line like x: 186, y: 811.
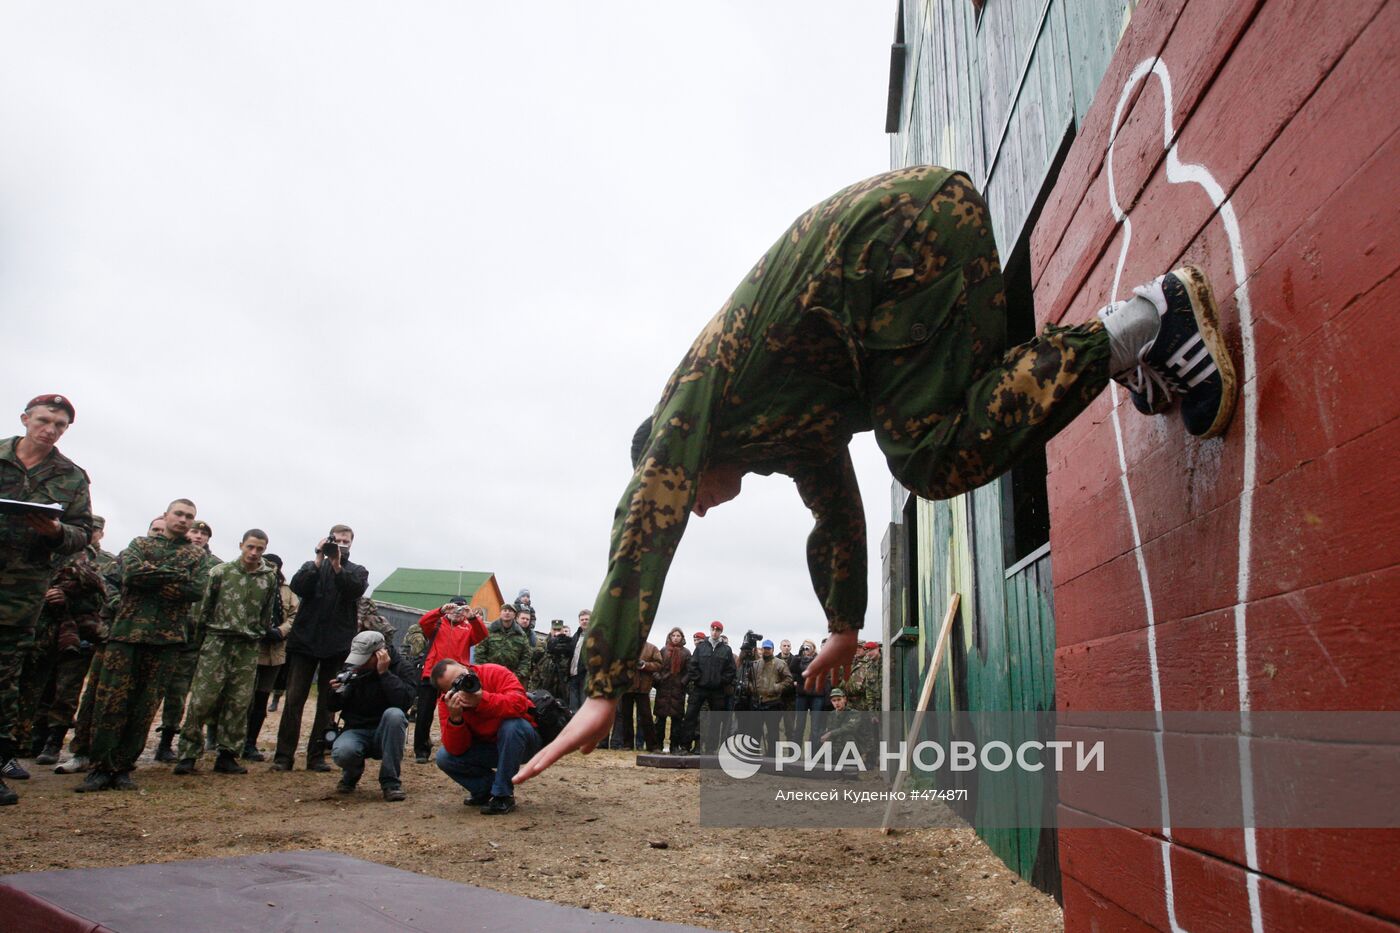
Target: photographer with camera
x: 373, y: 701
x: 449, y: 631
x: 487, y: 731
x: 329, y: 588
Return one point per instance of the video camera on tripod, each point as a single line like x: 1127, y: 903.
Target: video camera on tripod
x: 743, y: 689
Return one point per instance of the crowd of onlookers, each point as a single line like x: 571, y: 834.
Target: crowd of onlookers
x: 93, y: 645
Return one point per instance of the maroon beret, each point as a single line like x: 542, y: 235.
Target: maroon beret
x: 54, y: 401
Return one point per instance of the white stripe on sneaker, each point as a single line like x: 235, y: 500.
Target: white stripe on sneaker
x: 1184, y: 349
x: 1203, y: 375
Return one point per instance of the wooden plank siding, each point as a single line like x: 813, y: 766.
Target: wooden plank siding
x: 994, y: 96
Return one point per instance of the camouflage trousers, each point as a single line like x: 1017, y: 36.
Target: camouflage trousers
x: 15, y: 645
x: 68, y: 676
x: 173, y: 707
x: 39, y: 664
x: 81, y: 743
x: 220, y: 692
x: 958, y: 408
x: 130, y: 685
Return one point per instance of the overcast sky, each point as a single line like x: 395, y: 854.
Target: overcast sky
x: 420, y: 268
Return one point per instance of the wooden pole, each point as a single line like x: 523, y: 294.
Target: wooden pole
x: 924, y: 696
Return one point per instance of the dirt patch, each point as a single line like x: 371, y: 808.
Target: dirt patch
x: 581, y: 836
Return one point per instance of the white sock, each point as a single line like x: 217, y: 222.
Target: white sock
x: 1131, y: 325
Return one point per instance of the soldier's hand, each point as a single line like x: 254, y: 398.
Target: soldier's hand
x: 591, y: 724
x: 55, y: 597
x: 48, y: 527
x: 834, y: 658
x: 172, y: 591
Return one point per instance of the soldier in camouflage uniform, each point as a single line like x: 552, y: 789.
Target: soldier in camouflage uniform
x: 368, y: 619
x: 70, y: 619
x: 31, y: 546
x: 72, y: 669
x: 506, y: 645
x: 881, y: 308
x: 238, y: 611
x: 160, y: 579
x: 173, y: 705
x: 862, y: 687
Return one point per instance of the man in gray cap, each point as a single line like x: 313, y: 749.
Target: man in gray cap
x: 373, y: 701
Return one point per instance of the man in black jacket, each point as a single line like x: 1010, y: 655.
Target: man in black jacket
x: 330, y: 588
x: 373, y: 700
x: 710, y: 682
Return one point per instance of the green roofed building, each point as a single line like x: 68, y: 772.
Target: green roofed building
x: 409, y: 588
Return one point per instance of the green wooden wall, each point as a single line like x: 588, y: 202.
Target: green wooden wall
x: 996, y: 95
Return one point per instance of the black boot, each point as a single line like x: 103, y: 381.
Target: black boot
x: 94, y: 781
x: 52, y: 748
x: 7, y: 796
x: 164, y: 753
x: 226, y: 763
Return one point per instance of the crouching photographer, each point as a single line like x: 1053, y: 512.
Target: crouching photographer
x: 373, y: 701
x: 487, y: 731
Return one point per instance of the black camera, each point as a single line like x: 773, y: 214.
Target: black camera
x: 466, y: 682
x: 330, y: 548
x: 751, y: 640
x: 333, y: 732
x: 348, y: 675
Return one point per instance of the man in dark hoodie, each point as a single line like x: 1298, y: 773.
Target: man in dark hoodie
x: 329, y: 588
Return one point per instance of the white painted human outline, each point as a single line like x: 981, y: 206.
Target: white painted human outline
x: 1179, y: 173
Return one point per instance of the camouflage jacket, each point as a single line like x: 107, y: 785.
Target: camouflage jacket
x: 415, y: 644
x: 508, y: 649
x: 863, y: 686
x: 160, y: 579
x: 194, y: 632
x: 25, y: 554
x: 239, y: 602
x: 776, y: 383
x: 84, y: 594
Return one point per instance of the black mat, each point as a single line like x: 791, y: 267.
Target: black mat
x: 301, y: 891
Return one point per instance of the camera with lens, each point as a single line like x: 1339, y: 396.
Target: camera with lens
x: 751, y: 640
x: 348, y: 675
x: 331, y: 548
x: 466, y: 682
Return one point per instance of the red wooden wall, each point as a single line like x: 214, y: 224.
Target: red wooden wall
x: 1269, y: 560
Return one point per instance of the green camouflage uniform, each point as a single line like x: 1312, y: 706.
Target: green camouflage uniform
x: 237, y: 611
x: 173, y: 705
x: 880, y: 309
x: 82, y: 722
x: 507, y: 648
x: 368, y: 619
x: 863, y: 685
x: 57, y: 654
x: 160, y: 578
x: 28, y: 561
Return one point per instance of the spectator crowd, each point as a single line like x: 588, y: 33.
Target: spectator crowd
x: 93, y: 646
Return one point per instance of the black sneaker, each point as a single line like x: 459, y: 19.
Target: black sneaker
x: 477, y: 800
x: 7, y: 796
x: 345, y: 785
x: 122, y: 781
x: 318, y: 765
x: 94, y: 781
x: 184, y: 766
x: 49, y: 756
x: 393, y: 793
x: 14, y: 771
x: 280, y: 765
x: 498, y: 805
x: 1188, y: 359
x: 226, y: 763
x: 421, y: 758
x: 252, y: 754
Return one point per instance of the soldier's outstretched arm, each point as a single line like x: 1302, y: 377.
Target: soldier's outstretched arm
x: 836, y: 556
x: 591, y: 724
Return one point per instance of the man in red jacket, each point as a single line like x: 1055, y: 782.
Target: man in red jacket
x: 451, y: 630
x: 487, y: 731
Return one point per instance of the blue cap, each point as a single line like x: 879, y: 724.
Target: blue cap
x: 767, y: 643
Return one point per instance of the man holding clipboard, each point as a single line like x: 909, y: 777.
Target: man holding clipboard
x: 45, y: 514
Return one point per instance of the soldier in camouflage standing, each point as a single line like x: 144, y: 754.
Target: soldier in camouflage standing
x: 881, y: 308
x: 272, y: 657
x: 160, y: 579
x: 173, y: 705
x: 239, y: 609
x: 506, y: 645
x: 58, y: 662
x: 862, y: 688
x: 33, y: 543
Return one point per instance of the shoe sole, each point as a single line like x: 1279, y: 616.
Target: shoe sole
x: 1208, y: 323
